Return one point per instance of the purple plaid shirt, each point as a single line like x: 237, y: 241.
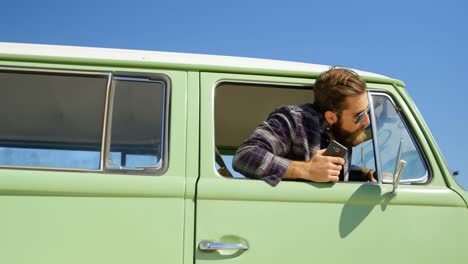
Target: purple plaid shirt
x: 289, y: 133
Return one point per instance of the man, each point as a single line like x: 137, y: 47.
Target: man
x: 290, y: 144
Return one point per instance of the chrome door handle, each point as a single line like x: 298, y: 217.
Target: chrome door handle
x: 213, y: 246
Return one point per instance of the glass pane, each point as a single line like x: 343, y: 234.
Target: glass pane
x: 391, y: 130
x: 55, y: 158
x: 51, y: 120
x: 363, y: 155
x: 137, y: 123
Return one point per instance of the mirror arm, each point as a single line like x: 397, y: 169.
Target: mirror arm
x: 396, y: 178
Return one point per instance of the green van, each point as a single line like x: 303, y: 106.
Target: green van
x: 109, y: 156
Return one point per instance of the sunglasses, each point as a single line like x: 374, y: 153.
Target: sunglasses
x: 360, y: 116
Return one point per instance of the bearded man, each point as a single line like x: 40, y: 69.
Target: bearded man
x: 290, y: 144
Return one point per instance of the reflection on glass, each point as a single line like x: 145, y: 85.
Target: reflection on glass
x: 51, y: 120
x: 391, y: 130
x: 138, y: 123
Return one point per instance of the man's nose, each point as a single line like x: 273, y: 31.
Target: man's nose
x: 366, y: 120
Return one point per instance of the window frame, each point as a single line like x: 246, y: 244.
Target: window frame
x: 107, y: 117
x: 273, y: 85
x: 140, y: 77
x: 416, y: 143
x: 375, y: 142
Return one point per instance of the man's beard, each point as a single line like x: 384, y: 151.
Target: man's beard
x: 346, y: 138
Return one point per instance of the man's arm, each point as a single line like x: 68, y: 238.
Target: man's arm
x: 319, y: 168
x: 262, y: 155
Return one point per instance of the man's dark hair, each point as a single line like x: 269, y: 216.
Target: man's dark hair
x: 333, y: 87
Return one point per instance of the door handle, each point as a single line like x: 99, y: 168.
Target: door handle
x: 213, y: 246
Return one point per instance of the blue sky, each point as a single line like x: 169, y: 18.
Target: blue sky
x: 423, y: 43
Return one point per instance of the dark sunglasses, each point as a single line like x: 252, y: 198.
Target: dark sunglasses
x: 360, y: 116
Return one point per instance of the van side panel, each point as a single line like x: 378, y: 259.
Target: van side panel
x: 96, y: 217
x: 303, y: 222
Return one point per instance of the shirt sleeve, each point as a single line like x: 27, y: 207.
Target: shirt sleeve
x: 262, y: 155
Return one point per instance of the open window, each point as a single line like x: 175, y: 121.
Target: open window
x: 241, y: 107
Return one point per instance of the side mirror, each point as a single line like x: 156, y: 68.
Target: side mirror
x: 396, y: 177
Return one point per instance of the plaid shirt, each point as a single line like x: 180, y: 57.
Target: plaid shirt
x: 289, y: 133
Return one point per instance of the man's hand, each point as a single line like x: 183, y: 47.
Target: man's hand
x: 371, y: 175
x: 319, y: 168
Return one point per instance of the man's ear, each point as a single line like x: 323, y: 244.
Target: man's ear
x: 331, y: 117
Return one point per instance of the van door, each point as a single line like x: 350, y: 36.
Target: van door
x: 89, y: 172
x: 248, y: 221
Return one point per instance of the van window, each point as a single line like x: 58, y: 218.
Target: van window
x: 241, y: 107
x: 51, y: 119
x: 392, y: 132
x: 137, y: 136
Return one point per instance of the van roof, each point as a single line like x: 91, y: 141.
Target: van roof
x: 100, y: 56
